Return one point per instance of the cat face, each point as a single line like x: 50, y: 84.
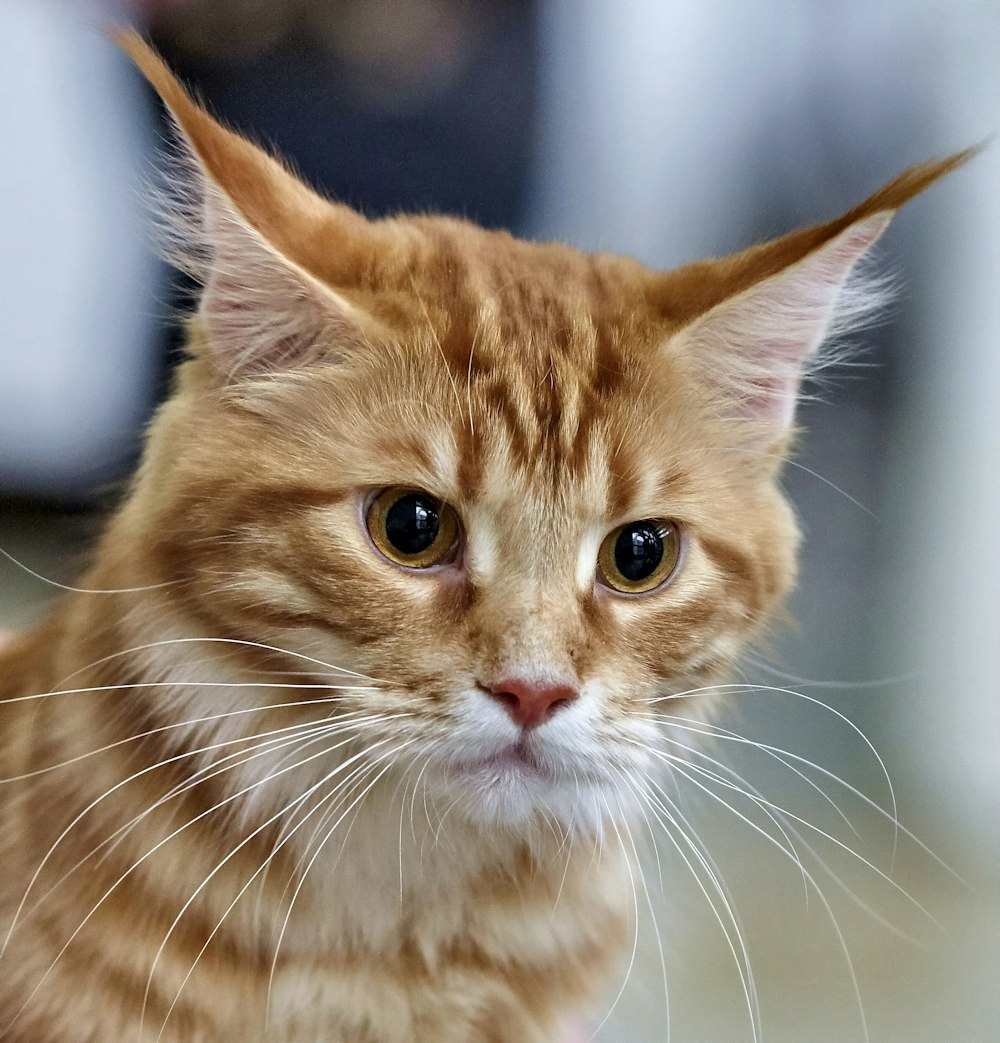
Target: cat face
x: 523, y: 492
x: 534, y: 441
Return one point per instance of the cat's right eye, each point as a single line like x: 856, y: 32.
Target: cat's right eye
x: 412, y: 528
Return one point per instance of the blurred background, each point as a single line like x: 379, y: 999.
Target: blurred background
x: 668, y: 130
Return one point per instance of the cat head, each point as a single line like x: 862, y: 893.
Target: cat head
x: 529, y: 492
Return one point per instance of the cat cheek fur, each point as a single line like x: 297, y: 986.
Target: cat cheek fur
x: 313, y: 820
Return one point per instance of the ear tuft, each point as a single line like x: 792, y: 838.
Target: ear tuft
x: 913, y: 181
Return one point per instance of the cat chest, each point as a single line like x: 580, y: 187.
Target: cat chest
x: 483, y: 973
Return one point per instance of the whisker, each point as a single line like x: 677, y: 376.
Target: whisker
x: 243, y: 890
x: 190, y: 684
x: 741, y: 959
x: 635, y: 934
x: 236, y: 642
x: 292, y: 827
x: 440, y: 348
x: 815, y: 474
x: 320, y: 730
x: 751, y: 793
x: 38, y: 871
x: 402, y: 811
x: 312, y: 861
x: 762, y: 802
x: 630, y: 784
x: 142, y: 859
x: 565, y: 873
x: 423, y: 790
x: 724, y: 733
x: 824, y: 706
x: 468, y: 383
x: 788, y: 847
x: 679, y: 767
x: 84, y: 590
x: 175, y: 726
x: 342, y: 792
x: 715, y: 731
x: 760, y: 663
x: 326, y: 728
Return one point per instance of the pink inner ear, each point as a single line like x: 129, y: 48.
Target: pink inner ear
x: 773, y: 398
x: 757, y: 344
x: 260, y: 311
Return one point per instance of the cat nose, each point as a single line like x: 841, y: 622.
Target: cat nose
x: 529, y: 703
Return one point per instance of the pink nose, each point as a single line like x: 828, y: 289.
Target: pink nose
x: 530, y: 704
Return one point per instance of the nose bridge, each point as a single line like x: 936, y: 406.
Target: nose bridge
x: 530, y: 617
x: 530, y: 629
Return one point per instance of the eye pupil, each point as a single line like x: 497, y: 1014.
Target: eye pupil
x: 638, y: 551
x: 412, y: 523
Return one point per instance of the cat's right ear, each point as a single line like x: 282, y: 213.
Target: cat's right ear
x: 276, y: 260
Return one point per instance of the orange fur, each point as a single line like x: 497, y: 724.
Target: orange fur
x: 548, y: 396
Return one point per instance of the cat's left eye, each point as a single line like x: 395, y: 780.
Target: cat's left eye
x: 412, y: 528
x: 639, y: 557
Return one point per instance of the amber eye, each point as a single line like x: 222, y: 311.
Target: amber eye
x: 640, y: 556
x: 413, y: 528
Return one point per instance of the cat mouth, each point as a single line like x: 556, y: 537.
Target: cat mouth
x: 517, y: 759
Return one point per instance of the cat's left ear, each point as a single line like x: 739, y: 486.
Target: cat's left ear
x: 277, y: 262
x: 759, y: 343
x: 762, y: 316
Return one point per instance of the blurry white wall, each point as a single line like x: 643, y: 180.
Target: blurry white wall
x: 948, y: 496
x: 77, y: 280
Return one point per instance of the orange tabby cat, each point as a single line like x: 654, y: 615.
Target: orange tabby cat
x: 432, y: 523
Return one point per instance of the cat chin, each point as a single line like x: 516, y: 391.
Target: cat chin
x: 500, y: 794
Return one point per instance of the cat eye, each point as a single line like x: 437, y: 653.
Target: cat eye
x: 412, y: 528
x: 640, y: 556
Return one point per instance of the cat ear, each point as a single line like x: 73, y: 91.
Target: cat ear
x: 754, y: 323
x: 759, y: 343
x: 274, y: 258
